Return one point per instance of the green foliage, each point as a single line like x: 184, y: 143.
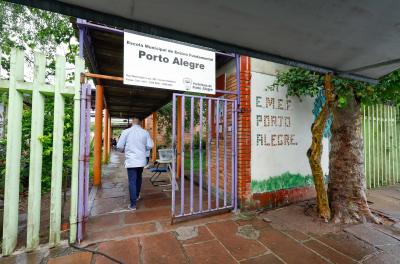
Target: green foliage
x: 164, y: 119
x: 196, y: 141
x: 47, y: 141
x: 33, y: 29
x: 196, y: 161
x: 302, y: 82
x: 299, y: 82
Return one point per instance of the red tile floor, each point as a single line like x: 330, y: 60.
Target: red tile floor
x: 146, y: 236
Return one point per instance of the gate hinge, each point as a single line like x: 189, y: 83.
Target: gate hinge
x: 243, y: 110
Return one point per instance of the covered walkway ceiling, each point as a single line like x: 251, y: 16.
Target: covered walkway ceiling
x: 351, y: 38
x: 104, y: 52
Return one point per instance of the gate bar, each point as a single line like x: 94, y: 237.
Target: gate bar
x: 174, y: 169
x: 232, y: 154
x: 201, y: 157
x: 80, y: 66
x: 182, y: 155
x: 225, y: 139
x: 87, y: 152
x: 81, y: 175
x: 191, y: 152
x: 209, y: 153
x: 397, y: 143
x: 235, y: 178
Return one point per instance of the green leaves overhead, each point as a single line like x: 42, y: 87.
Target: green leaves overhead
x: 33, y: 29
x: 302, y: 82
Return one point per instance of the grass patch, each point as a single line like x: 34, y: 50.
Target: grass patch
x: 196, y: 160
x: 286, y: 180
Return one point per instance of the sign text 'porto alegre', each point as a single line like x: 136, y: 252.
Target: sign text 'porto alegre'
x: 162, y: 64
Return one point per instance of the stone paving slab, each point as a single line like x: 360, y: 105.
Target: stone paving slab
x: 328, y: 253
x: 126, y: 251
x: 211, y: 252
x: 263, y: 259
x: 121, y: 232
x: 386, y: 201
x: 373, y: 236
x: 297, y: 235
x: 81, y: 257
x: 348, y: 245
x: 381, y: 259
x: 162, y: 248
x: 241, y: 248
x: 202, y: 236
x: 287, y: 248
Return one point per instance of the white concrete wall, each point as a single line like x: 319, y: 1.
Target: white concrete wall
x: 280, y: 127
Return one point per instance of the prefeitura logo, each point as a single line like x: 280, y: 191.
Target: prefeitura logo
x: 187, y: 83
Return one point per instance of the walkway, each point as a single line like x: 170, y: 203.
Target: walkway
x: 386, y: 201
x: 288, y: 235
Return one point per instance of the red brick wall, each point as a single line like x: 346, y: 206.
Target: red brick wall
x: 244, y: 132
x: 244, y: 135
x: 245, y: 197
x: 230, y: 86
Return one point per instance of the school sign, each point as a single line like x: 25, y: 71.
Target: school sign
x: 157, y: 63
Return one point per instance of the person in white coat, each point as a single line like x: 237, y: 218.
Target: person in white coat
x: 135, y: 142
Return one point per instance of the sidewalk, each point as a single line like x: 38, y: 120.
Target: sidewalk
x: 291, y: 234
x: 243, y: 239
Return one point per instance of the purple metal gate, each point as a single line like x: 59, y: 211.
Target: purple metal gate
x: 84, y: 157
x: 204, y: 180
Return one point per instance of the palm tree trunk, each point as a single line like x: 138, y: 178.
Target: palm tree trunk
x: 346, y: 166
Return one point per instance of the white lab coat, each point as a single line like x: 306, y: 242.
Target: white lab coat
x: 135, y: 142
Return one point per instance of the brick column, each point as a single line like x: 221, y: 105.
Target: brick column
x: 244, y: 133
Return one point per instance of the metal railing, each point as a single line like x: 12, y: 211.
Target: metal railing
x: 381, y: 132
x: 216, y: 173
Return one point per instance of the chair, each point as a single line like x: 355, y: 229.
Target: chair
x: 165, y: 157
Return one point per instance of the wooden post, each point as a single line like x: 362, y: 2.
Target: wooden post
x: 35, y: 164
x: 97, y: 136
x: 106, y: 137
x: 57, y: 155
x: 154, y: 152
x: 13, y: 156
x: 178, y: 136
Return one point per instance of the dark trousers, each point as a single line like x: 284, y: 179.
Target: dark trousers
x: 135, y: 182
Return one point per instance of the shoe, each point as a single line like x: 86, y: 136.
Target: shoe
x: 131, y: 208
x: 138, y: 198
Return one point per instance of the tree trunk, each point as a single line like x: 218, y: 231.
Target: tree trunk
x: 314, y: 157
x: 315, y: 151
x: 346, y: 166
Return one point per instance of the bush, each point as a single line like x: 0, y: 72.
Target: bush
x: 47, y: 140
